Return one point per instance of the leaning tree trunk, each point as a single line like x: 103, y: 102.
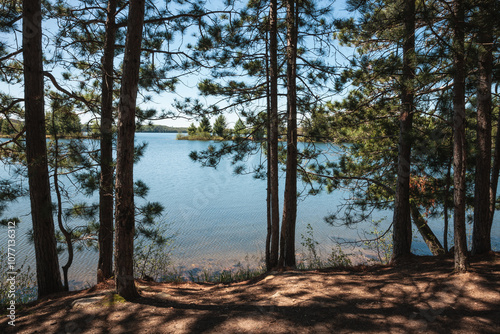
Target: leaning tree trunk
x: 481, y: 238
x: 125, y: 218
x: 287, y: 245
x: 47, y: 263
x: 105, y: 263
x: 402, y: 233
x: 425, y: 231
x: 459, y: 148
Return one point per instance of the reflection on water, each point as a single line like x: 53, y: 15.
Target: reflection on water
x: 219, y: 218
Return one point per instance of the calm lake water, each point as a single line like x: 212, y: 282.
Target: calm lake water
x: 219, y: 218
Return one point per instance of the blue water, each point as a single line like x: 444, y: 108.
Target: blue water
x: 218, y: 217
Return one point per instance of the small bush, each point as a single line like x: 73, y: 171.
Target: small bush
x: 313, y: 259
x: 338, y: 258
x: 25, y: 283
x: 152, y: 252
x: 381, y: 245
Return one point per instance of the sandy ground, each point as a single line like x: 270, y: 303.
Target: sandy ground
x: 423, y: 296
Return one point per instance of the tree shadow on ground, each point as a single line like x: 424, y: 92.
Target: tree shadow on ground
x: 422, y: 296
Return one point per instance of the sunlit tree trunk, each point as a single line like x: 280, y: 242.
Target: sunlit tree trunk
x: 287, y: 245
x: 125, y: 219
x: 105, y: 263
x: 47, y: 263
x: 273, y: 136
x: 459, y: 144
x: 402, y: 233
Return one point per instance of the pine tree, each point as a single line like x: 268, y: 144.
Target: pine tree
x: 125, y: 220
x: 105, y: 262
x: 481, y: 238
x: 63, y: 121
x: 245, y: 49
x: 47, y: 263
x: 192, y: 129
x: 239, y: 128
x: 205, y: 126
x: 401, y: 231
x: 287, y: 240
x: 220, y: 126
x: 382, y: 74
x: 272, y: 242
x: 459, y: 140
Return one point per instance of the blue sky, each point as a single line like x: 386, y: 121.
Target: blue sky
x: 187, y: 88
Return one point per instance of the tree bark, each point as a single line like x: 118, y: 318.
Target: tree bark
x: 105, y: 263
x: 66, y: 233
x: 430, y: 238
x: 125, y: 218
x: 268, y: 142
x: 459, y: 144
x: 273, y: 136
x: 481, y: 238
x: 425, y: 231
x: 494, y: 175
x: 445, y: 209
x: 402, y: 234
x: 287, y: 245
x: 47, y: 263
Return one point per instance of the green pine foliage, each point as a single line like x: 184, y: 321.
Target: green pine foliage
x: 220, y: 126
x: 205, y: 126
x: 239, y: 128
x: 62, y: 120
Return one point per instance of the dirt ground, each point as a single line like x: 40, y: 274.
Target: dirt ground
x: 423, y: 296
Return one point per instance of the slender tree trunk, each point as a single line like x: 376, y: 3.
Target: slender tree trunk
x: 402, y: 233
x: 47, y: 263
x: 481, y: 238
x: 459, y: 144
x: 273, y: 135
x: 268, y: 139
x: 446, y: 196
x: 105, y: 263
x: 66, y: 233
x: 125, y: 220
x: 287, y: 246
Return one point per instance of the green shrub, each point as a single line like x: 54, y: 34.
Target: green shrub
x: 25, y: 282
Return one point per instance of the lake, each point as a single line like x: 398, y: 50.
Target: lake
x: 219, y: 218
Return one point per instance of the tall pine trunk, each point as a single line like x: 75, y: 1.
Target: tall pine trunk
x: 105, y: 263
x: 495, y: 170
x: 273, y: 137
x: 287, y: 245
x: 47, y: 263
x: 459, y: 144
x: 125, y: 218
x: 481, y: 238
x: 268, y: 143
x: 402, y: 233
